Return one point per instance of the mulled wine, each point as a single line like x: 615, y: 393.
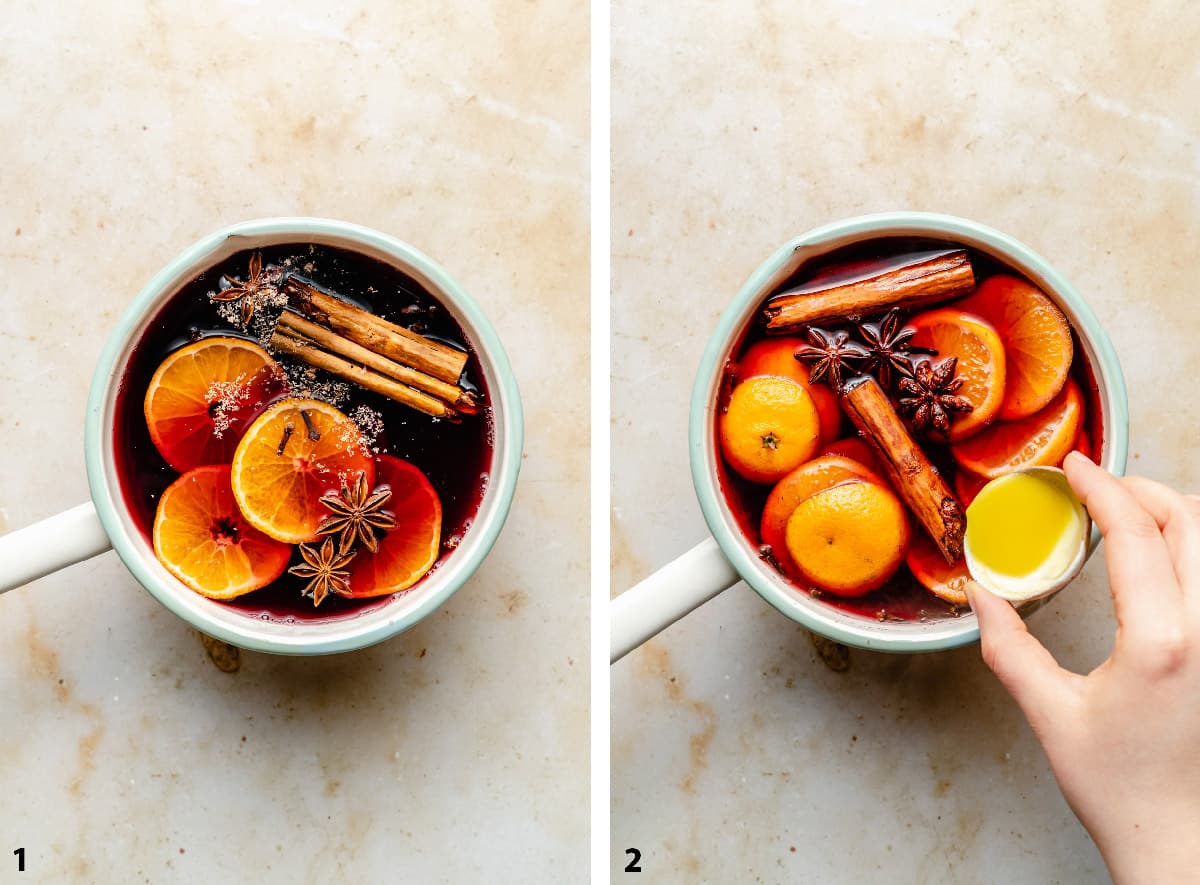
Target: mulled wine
x: 303, y: 432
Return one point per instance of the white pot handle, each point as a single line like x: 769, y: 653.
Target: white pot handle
x: 56, y: 542
x: 666, y: 596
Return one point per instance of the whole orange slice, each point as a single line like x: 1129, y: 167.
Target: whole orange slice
x: 407, y: 552
x: 928, y: 565
x: 850, y: 538
x: 1042, y: 439
x: 981, y: 363
x: 1037, y: 340
x: 203, y: 396
x: 295, y: 452
x: 769, y: 427
x: 777, y: 356
x: 202, y: 538
x: 810, y: 477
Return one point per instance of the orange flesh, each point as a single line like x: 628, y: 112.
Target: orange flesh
x: 407, y: 552
x: 981, y: 363
x: 202, y: 397
x: 280, y: 493
x: 201, y: 537
x: 1042, y: 439
x: 928, y: 566
x: 1037, y: 340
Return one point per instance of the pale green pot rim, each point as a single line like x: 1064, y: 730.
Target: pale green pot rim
x: 889, y: 636
x: 351, y: 632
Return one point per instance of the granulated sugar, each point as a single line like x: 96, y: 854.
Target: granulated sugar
x: 224, y: 399
x: 370, y: 422
x: 312, y: 383
x: 348, y: 437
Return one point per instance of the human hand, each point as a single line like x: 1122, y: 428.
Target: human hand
x: 1124, y: 741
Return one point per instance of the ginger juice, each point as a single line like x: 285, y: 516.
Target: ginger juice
x: 1024, y: 532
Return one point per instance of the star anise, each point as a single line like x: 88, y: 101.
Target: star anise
x: 832, y: 356
x: 250, y: 291
x: 930, y: 395
x: 326, y: 570
x: 356, y: 514
x: 888, y: 348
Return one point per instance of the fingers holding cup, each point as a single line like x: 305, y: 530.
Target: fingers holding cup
x: 1146, y: 591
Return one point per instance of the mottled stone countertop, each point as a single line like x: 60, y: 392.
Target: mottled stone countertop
x: 454, y: 753
x: 738, y: 755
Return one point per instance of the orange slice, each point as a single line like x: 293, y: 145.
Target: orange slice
x: 1042, y: 439
x: 280, y: 474
x: 203, y: 539
x: 928, y: 566
x: 777, y: 356
x: 203, y: 396
x: 850, y: 538
x: 769, y: 427
x: 981, y: 363
x: 407, y: 552
x: 807, y: 479
x: 1037, y: 340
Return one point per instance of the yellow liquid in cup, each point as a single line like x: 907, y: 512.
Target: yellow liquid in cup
x: 1024, y: 525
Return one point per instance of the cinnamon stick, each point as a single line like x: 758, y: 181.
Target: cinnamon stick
x: 285, y: 342
x: 912, y: 474
x: 376, y: 334
x: 462, y: 400
x: 930, y: 277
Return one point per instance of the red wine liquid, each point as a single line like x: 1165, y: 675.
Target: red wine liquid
x: 456, y: 458
x: 903, y: 597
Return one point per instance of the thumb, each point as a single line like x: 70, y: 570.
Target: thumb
x: 1022, y: 664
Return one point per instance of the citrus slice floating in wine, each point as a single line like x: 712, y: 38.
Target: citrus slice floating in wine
x: 1043, y: 439
x: 981, y: 363
x: 1037, y: 340
x: 295, y: 452
x: 409, y: 550
x: 201, y: 537
x: 929, y: 566
x: 204, y: 395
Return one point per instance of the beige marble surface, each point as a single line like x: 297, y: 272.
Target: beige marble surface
x: 737, y: 754
x: 454, y: 753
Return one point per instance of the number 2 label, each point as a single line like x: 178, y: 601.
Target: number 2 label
x: 632, y: 866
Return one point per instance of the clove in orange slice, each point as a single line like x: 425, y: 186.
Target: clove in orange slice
x: 294, y: 453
